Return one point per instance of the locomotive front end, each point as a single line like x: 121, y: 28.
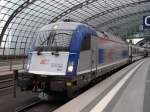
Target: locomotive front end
x: 48, y: 59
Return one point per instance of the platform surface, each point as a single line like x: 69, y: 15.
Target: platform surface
x: 134, y: 97
x: 125, y: 91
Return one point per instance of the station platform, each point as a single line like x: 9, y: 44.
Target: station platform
x: 128, y: 90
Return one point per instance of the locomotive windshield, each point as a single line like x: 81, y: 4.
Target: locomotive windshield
x: 53, y: 40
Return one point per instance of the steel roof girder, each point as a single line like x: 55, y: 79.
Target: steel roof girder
x: 19, y: 9
x: 125, y: 23
x: 115, y: 9
x: 87, y: 2
x: 121, y: 17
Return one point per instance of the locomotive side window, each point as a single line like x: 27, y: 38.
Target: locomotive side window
x: 86, y: 43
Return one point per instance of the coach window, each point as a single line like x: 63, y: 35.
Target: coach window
x: 86, y: 43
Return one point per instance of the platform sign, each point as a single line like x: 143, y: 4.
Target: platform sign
x: 146, y: 22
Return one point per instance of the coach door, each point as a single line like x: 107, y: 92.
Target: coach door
x: 93, y: 57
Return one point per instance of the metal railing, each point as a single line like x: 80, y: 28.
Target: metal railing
x: 11, y: 64
x: 6, y: 83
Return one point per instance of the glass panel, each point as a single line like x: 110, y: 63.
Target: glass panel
x: 54, y: 40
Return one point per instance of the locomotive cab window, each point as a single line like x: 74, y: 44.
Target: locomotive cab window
x: 54, y: 40
x: 86, y: 43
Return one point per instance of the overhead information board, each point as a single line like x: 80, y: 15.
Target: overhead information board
x: 146, y: 22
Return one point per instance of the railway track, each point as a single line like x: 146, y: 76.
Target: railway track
x: 29, y: 106
x: 6, y: 88
x: 7, y: 83
x: 40, y: 106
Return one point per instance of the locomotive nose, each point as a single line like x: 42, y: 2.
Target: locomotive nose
x: 49, y: 63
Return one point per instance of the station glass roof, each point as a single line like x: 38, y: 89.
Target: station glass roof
x: 20, y: 19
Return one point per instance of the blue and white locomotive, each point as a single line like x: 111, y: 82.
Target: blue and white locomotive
x: 66, y: 56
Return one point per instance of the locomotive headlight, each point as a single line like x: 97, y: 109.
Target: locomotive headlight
x: 70, y: 67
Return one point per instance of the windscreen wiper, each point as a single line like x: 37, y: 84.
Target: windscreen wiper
x: 51, y: 35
